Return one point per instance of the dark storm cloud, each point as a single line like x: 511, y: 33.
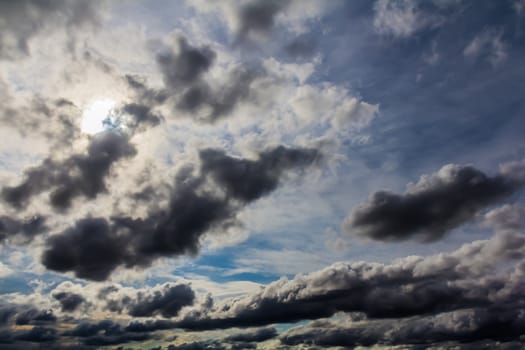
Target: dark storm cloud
x: 259, y: 16
x: 411, y: 286
x: 258, y: 335
x: 38, y: 334
x: 149, y: 326
x: 96, y: 246
x: 7, y: 311
x: 167, y: 302
x: 34, y: 316
x: 27, y: 229
x: 78, y: 175
x: 90, y: 248
x: 24, y: 315
x: 498, y: 323
x: 21, y: 20
x: 198, y: 345
x: 436, y: 204
x: 69, y: 301
x: 104, y: 333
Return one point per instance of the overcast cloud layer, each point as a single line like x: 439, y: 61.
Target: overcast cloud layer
x: 259, y: 174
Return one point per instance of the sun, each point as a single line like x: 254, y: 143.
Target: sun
x: 95, y: 114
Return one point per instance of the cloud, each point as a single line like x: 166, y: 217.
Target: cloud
x: 506, y: 217
x: 14, y: 228
x: 301, y: 47
x: 34, y: 316
x: 402, y: 18
x: 257, y: 335
x: 24, y: 19
x: 248, y: 180
x: 78, y: 175
x: 167, y: 302
x: 24, y: 314
x: 186, y: 65
x: 69, y: 301
x: 489, y: 45
x: 54, y: 120
x: 258, y: 16
x: 37, y: 334
x: 104, y: 333
x: 412, y: 286
x: 90, y: 248
x: 194, y: 209
x: 449, y: 330
x: 428, y: 209
x: 184, y: 71
x: 4, y: 271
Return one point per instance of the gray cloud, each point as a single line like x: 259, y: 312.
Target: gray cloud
x: 436, y: 204
x: 193, y: 210
x: 34, y: 316
x: 21, y: 20
x: 301, y: 47
x: 52, y: 119
x: 167, y: 302
x: 185, y: 66
x: 257, y: 335
x: 104, y: 333
x: 498, y: 323
x: 259, y: 16
x: 184, y: 73
x: 248, y: 180
x: 90, y: 248
x: 69, y: 301
x: 221, y: 102
x: 141, y: 115
x: 78, y: 175
x: 37, y: 334
x: 412, y: 286
x: 26, y: 229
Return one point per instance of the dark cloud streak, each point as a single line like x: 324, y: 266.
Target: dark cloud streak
x: 433, y: 206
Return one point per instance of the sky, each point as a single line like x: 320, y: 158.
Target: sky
x: 262, y: 174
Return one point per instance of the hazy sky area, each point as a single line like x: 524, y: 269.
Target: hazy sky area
x: 262, y: 174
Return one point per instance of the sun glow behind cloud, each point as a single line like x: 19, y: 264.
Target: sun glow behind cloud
x: 95, y: 114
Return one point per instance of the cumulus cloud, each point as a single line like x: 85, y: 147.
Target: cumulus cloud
x: 428, y: 209
x: 167, y: 302
x: 408, y: 287
x: 25, y: 314
x: 104, y: 333
x: 26, y: 229
x: 78, y: 175
x: 449, y: 330
x: 193, y: 210
x: 69, y: 301
x: 257, y: 335
x: 183, y: 69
